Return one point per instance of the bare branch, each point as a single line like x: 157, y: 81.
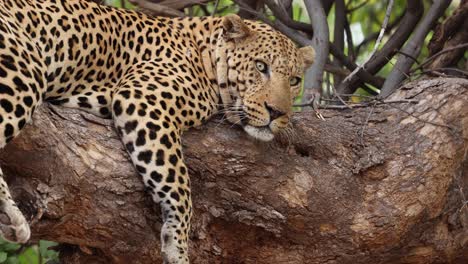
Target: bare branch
x: 338, y: 34
x: 349, y: 39
x: 320, y: 40
x: 414, y: 11
x: 215, y: 8
x: 413, y: 47
x: 371, y: 37
x: 450, y: 27
x: 256, y: 5
x: 431, y: 58
x: 361, y: 105
x: 377, y: 42
x: 354, y: 8
x: 281, y: 14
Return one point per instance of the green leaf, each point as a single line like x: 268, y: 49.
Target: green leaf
x: 10, y: 247
x: 29, y: 256
x: 12, y: 260
x: 44, y: 246
x: 3, y: 257
x: 45, y: 253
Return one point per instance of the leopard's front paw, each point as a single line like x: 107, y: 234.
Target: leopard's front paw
x: 172, y: 251
x: 174, y: 258
x: 13, y: 225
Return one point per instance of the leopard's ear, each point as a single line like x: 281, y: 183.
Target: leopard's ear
x: 235, y: 28
x: 308, y: 55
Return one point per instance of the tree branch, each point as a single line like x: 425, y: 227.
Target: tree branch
x: 338, y: 35
x: 413, y: 47
x: 414, y: 11
x: 281, y: 14
x: 314, y: 75
x: 262, y: 203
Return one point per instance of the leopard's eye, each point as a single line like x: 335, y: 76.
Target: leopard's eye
x: 261, y: 66
x: 294, y: 81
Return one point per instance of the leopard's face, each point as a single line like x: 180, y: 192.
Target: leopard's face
x: 268, y: 68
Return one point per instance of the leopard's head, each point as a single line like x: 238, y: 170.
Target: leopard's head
x: 263, y: 74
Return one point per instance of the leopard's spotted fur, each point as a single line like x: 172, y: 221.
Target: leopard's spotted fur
x: 155, y: 77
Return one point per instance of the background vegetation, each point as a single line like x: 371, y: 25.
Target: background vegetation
x: 40, y: 253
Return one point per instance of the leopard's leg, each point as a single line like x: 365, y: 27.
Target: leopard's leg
x: 95, y: 100
x: 22, y: 76
x: 13, y: 225
x: 154, y: 145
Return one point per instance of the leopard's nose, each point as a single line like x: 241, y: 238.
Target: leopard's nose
x: 274, y: 113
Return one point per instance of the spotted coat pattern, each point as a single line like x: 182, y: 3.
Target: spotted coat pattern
x: 155, y: 77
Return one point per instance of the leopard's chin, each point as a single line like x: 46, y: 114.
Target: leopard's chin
x: 263, y: 133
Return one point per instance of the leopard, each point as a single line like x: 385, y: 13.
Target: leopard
x: 155, y: 77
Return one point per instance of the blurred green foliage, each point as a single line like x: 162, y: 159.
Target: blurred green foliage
x: 41, y: 253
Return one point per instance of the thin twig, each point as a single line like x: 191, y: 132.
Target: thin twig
x: 413, y: 47
x: 413, y: 13
x: 371, y: 37
x: 339, y: 97
x: 377, y: 42
x: 409, y: 56
x: 421, y: 120
x: 361, y: 138
x: 215, y: 8
x: 431, y: 58
x: 395, y: 67
x: 445, y: 69
x: 361, y: 105
x: 349, y: 40
x: 354, y: 8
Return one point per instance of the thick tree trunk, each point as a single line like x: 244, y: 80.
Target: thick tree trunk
x: 381, y: 184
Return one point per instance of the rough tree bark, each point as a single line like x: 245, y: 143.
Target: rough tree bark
x: 381, y: 184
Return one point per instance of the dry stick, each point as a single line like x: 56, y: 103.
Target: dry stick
x: 361, y: 105
x: 374, y: 35
x: 340, y: 98
x: 407, y: 55
x: 377, y: 42
x: 413, y: 47
x: 314, y: 75
x: 431, y: 58
x: 352, y: 9
x: 215, y: 8
x: 414, y: 12
x: 419, y: 119
x: 395, y: 67
x: 442, y: 72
